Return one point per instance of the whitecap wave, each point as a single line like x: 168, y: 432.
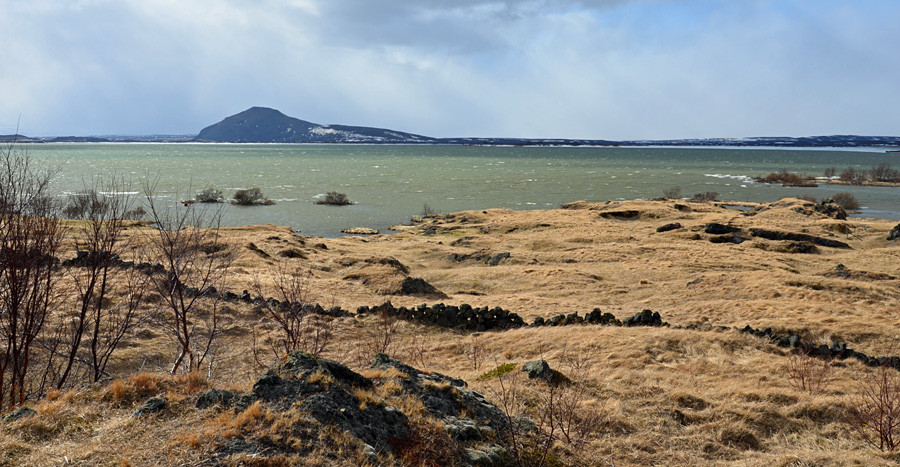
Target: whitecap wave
x: 741, y: 178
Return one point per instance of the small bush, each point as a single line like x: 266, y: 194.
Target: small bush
x: 874, y: 413
x: 705, y: 197
x: 209, y: 194
x: 135, y: 214
x: 810, y: 374
x: 883, y: 172
x: 91, y: 204
x: 786, y: 178
x: 499, y: 371
x: 251, y: 197
x: 846, y: 201
x: 853, y: 176
x: 672, y: 192
x: 334, y: 198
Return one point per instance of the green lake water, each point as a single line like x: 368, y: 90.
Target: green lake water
x: 389, y: 184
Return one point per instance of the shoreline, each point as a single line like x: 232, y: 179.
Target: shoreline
x: 870, y: 183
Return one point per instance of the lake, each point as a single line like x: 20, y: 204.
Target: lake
x: 389, y: 184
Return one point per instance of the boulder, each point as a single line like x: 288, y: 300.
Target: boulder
x: 540, y: 369
x: 490, y: 456
x: 153, y: 405
x: 21, y: 412
x: 444, y: 396
x: 496, y: 259
x: 644, y: 318
x: 668, y: 227
x: 797, y: 237
x: 597, y: 316
x: 728, y: 238
x: 831, y: 209
x: 464, y: 429
x: 418, y: 286
x: 715, y: 228
x: 894, y: 233
x: 216, y: 397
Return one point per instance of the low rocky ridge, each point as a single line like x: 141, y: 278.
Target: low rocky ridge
x: 331, y: 394
x: 724, y: 233
x: 464, y: 316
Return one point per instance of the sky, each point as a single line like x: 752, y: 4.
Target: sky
x: 592, y: 69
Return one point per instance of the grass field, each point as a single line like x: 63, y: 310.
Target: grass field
x: 661, y: 396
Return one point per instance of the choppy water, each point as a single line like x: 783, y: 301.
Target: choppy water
x: 391, y: 183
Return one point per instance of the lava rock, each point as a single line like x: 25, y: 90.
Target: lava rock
x: 894, y: 233
x: 496, y: 259
x: 831, y: 209
x: 644, y: 318
x: 21, y: 412
x: 418, y: 286
x: 715, y: 228
x: 215, y: 397
x: 153, y: 405
x: 668, y: 227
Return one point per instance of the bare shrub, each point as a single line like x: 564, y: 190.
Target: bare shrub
x: 86, y: 204
x: 87, y: 341
x: 334, y: 198
x: 541, y: 414
x: 136, y: 214
x: 30, y: 236
x: 414, y: 350
x: 381, y: 336
x: 672, y: 192
x: 578, y: 418
x: 299, y: 326
x: 853, y: 176
x: 882, y: 172
x: 209, y: 194
x: 707, y: 197
x: 475, y: 351
x: 810, y: 374
x: 846, y: 200
x: 188, y: 243
x: 786, y: 178
x: 427, y: 210
x: 251, y: 197
x: 875, y: 412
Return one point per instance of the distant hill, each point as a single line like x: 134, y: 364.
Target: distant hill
x: 265, y: 125
x: 17, y: 138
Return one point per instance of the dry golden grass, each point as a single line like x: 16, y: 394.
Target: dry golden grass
x: 668, y: 396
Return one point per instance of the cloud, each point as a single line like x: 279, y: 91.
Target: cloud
x: 565, y: 68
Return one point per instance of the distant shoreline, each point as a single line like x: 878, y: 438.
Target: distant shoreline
x: 876, y: 149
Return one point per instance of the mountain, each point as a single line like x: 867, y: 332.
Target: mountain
x: 265, y: 125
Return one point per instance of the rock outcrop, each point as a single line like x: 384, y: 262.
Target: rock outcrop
x: 335, y: 396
